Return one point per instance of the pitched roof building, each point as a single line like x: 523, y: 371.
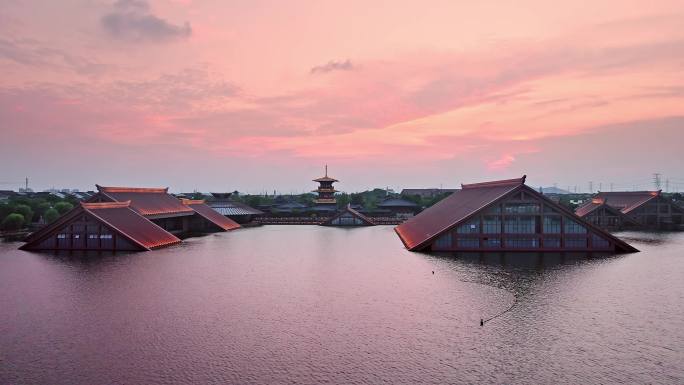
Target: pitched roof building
x: 349, y: 217
x: 599, y: 213
x: 649, y: 208
x: 503, y: 215
x: 123, y: 218
x: 101, y: 226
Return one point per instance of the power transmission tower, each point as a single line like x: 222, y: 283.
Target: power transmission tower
x: 656, y: 180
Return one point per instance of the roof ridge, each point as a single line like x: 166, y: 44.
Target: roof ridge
x: 132, y: 189
x: 496, y: 183
x: 192, y: 201
x: 105, y: 205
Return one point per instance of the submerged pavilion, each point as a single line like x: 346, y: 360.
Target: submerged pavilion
x: 128, y: 219
x: 504, y: 215
x: 649, y: 209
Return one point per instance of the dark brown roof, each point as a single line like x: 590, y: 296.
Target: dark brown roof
x: 427, y: 225
x: 353, y: 212
x: 597, y: 203
x: 131, y: 225
x: 210, y: 214
x: 420, y: 230
x: 146, y: 201
x: 626, y: 201
x: 120, y: 218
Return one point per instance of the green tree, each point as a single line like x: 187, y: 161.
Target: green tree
x: 25, y: 211
x: 63, y: 207
x: 41, y: 208
x: 343, y: 200
x: 51, y: 215
x: 12, y: 222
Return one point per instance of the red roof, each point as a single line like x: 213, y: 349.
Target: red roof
x: 146, y: 201
x: 131, y: 225
x: 210, y: 214
x: 422, y: 229
x: 120, y: 218
x: 427, y: 225
x: 624, y: 201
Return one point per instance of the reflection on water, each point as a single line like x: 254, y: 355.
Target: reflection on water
x: 307, y: 304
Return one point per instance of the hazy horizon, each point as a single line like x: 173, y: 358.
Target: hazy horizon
x: 259, y: 95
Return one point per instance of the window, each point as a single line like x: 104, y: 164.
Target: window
x: 92, y: 236
x: 77, y: 236
x: 105, y: 236
x: 61, y: 236
x: 470, y: 227
x: 576, y: 243
x: 522, y: 208
x: 491, y: 243
x: 552, y: 243
x: 552, y: 224
x: 491, y: 225
x: 599, y: 243
x: 572, y: 227
x: 520, y: 225
x: 469, y: 243
x: 522, y: 243
x: 496, y: 209
x: 443, y: 242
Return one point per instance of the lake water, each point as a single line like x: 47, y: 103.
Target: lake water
x: 308, y: 304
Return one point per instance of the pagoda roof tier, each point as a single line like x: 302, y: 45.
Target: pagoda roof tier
x: 323, y: 200
x: 325, y: 179
x: 325, y: 190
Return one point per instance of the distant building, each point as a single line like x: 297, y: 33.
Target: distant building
x: 649, y: 208
x: 503, y: 215
x: 237, y: 211
x: 124, y: 218
x: 427, y: 193
x: 398, y: 207
x: 349, y: 217
x: 325, y: 202
x: 599, y: 213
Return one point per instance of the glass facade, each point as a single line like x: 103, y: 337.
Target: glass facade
x: 521, y: 223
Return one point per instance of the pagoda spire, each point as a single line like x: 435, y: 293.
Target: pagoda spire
x: 326, y: 170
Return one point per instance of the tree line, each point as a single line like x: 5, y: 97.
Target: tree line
x: 21, y: 212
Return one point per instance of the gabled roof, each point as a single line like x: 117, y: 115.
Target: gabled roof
x: 348, y: 209
x: 627, y: 201
x: 597, y: 203
x: 120, y: 218
x: 434, y: 220
x: 210, y: 214
x: 234, y: 208
x: 146, y: 201
x: 419, y: 231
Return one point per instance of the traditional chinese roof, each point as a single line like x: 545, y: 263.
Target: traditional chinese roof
x: 146, y: 201
x: 118, y: 217
x: 597, y: 203
x: 349, y: 210
x: 417, y: 232
x: 446, y: 213
x: 234, y: 208
x: 625, y: 201
x: 210, y: 214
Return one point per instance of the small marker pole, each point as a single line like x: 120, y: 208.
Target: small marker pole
x: 481, y: 322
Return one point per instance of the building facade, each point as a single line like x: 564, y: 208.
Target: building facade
x: 648, y: 208
x: 503, y: 215
x: 325, y: 201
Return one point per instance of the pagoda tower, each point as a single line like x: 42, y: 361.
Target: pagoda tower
x: 326, y: 191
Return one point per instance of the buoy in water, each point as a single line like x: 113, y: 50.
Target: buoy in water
x: 481, y: 322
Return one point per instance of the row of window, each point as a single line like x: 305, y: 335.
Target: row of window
x: 521, y: 225
x: 446, y: 241
x: 90, y: 236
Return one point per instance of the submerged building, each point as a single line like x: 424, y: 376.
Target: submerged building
x: 503, y: 215
x: 237, y: 211
x: 128, y: 219
x: 349, y: 217
x: 648, y: 208
x: 599, y: 213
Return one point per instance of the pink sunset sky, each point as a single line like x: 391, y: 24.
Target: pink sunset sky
x: 259, y: 95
